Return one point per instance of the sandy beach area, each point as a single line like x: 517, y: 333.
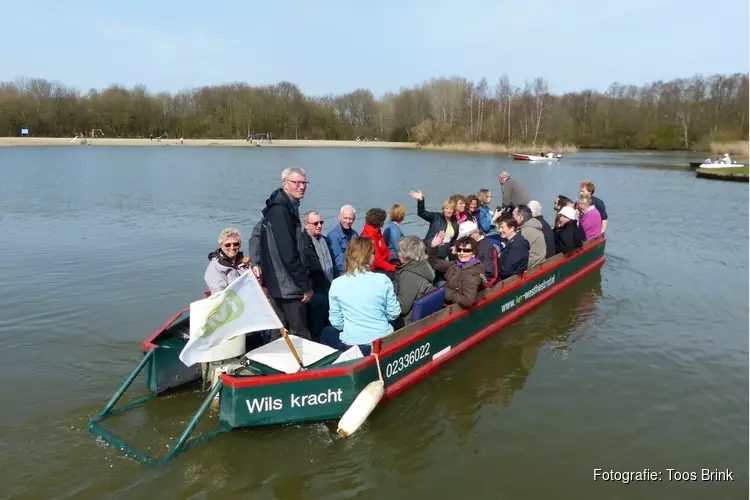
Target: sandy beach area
x: 240, y: 143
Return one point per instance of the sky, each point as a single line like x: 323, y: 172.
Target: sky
x: 328, y: 47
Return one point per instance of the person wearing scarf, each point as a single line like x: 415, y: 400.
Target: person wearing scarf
x: 226, y: 263
x: 464, y: 277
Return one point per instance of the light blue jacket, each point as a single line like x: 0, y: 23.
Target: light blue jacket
x: 362, y: 307
x: 392, y: 234
x: 338, y: 240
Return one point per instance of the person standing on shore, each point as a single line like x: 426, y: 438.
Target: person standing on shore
x: 283, y: 254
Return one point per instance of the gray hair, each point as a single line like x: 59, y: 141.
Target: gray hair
x: 347, y: 207
x: 412, y: 248
x: 536, y: 208
x: 306, y: 218
x: 229, y: 232
x: 292, y: 170
x: 586, y: 200
x: 524, y: 212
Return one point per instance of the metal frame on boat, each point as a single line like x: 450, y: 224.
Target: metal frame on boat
x: 326, y: 392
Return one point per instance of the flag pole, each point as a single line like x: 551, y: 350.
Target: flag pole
x: 284, y: 333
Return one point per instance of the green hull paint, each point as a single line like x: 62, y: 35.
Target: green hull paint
x: 328, y: 398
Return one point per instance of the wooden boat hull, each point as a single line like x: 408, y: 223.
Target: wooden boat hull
x: 405, y: 357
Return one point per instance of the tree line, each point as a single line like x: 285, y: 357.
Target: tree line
x: 677, y: 114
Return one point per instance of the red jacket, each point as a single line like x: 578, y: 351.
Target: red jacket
x: 382, y: 254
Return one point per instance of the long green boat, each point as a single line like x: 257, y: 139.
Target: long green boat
x: 254, y: 394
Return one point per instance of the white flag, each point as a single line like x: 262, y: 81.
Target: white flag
x: 240, y: 308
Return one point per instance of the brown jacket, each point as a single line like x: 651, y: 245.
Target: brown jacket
x: 462, y: 283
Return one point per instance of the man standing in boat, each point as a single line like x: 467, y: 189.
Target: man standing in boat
x: 282, y: 254
x: 514, y: 193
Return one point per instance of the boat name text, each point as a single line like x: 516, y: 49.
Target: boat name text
x: 528, y: 294
x: 270, y: 403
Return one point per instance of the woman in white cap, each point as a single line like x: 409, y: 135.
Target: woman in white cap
x: 568, y: 234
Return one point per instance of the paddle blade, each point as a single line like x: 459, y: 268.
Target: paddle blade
x: 361, y: 408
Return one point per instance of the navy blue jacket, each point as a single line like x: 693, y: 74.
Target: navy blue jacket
x: 599, y: 204
x: 515, y: 256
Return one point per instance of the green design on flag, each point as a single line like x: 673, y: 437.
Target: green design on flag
x: 229, y: 309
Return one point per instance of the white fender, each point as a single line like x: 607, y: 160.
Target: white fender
x: 361, y: 408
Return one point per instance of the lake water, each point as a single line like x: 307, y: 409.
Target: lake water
x: 643, y: 364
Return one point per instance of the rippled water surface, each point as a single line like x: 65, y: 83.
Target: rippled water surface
x: 643, y: 364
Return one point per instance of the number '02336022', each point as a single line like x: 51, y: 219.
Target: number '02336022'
x: 408, y: 359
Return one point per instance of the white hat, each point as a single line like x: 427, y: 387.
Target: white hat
x: 568, y: 212
x: 466, y: 228
x: 726, y: 154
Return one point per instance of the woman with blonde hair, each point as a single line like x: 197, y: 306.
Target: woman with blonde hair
x: 362, y: 303
x: 444, y: 221
x: 226, y: 263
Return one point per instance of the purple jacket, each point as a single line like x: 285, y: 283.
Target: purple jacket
x: 591, y: 223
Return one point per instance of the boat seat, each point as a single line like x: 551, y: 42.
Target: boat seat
x: 427, y: 304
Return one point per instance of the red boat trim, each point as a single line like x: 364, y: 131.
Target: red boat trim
x: 432, y: 365
x: 148, y: 343
x: 239, y: 383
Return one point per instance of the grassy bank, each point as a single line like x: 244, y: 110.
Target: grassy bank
x: 735, y: 148
x: 488, y: 147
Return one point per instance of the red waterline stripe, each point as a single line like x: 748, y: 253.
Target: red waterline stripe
x: 425, y: 370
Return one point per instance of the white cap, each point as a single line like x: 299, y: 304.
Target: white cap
x: 726, y: 154
x: 466, y: 228
x: 568, y: 212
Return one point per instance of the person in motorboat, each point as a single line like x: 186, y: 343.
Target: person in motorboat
x: 472, y: 205
x: 374, y: 220
x: 514, y: 258
x: 444, y: 222
x: 568, y: 234
x: 340, y: 236
x: 414, y: 276
x: 589, y: 219
x: 282, y: 255
x: 484, y: 214
x: 587, y: 188
x: 226, y: 263
x: 514, y: 193
x: 392, y: 231
x: 362, y: 303
x: 726, y: 159
x: 531, y: 229
x: 487, y: 252
x: 550, y: 155
x: 322, y: 271
x: 464, y: 277
x: 549, y: 236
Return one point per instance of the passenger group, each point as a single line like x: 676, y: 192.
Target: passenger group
x: 346, y: 288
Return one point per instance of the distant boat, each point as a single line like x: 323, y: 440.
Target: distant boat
x: 523, y: 157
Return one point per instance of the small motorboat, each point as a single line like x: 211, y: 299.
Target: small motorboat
x: 523, y: 157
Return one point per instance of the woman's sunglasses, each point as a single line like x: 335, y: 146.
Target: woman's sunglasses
x: 463, y: 250
x: 229, y: 245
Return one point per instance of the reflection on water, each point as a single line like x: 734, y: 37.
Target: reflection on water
x: 641, y: 364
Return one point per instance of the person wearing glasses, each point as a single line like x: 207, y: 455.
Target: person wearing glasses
x: 321, y: 269
x: 282, y: 254
x: 464, y: 277
x: 226, y: 263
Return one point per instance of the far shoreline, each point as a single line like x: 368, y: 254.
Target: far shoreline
x: 238, y: 143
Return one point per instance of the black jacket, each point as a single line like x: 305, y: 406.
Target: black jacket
x: 569, y: 237
x: 487, y: 255
x: 281, y: 248
x: 515, y: 257
x: 314, y: 269
x: 549, y: 236
x: 437, y: 223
